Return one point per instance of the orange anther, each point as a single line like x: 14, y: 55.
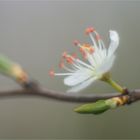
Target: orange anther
x: 61, y: 65
x: 64, y: 55
x: 86, y: 46
x: 91, y: 50
x: 89, y: 30
x: 81, y: 49
x: 83, y: 52
x: 69, y: 59
x: 76, y: 42
x: 51, y: 73
x: 84, y: 55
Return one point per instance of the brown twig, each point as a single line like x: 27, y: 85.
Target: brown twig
x: 45, y: 93
x: 33, y: 89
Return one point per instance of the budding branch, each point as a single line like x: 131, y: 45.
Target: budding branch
x: 35, y: 90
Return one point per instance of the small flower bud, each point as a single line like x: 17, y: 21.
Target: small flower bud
x: 93, y: 108
x: 13, y: 70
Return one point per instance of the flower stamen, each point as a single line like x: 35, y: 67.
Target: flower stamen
x: 61, y: 64
x: 64, y: 55
x: 51, y: 73
x: 88, y: 47
x: 76, y: 42
x: 69, y: 58
x: 89, y: 30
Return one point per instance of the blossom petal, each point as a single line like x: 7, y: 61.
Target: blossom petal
x: 107, y: 64
x: 114, y: 42
x: 83, y: 85
x: 78, y: 77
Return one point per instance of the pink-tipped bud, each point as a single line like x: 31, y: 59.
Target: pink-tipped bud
x: 76, y: 42
x: 89, y: 30
x: 51, y: 73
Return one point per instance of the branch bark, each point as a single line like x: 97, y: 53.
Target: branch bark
x: 34, y: 90
x: 46, y: 93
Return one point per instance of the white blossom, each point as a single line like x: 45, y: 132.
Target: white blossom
x: 98, y: 60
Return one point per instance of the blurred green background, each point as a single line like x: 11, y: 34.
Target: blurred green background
x: 35, y: 33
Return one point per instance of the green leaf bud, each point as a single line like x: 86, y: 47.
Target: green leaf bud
x: 93, y: 108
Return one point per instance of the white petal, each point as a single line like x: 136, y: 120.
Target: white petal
x: 114, y: 42
x: 83, y: 85
x: 107, y: 64
x: 92, y: 60
x: 78, y: 77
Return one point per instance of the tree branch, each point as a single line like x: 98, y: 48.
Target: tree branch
x: 33, y: 89
x: 46, y: 93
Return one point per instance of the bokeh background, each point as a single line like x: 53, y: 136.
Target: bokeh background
x: 35, y: 33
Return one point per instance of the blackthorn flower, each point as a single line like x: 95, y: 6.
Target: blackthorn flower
x: 97, y: 62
